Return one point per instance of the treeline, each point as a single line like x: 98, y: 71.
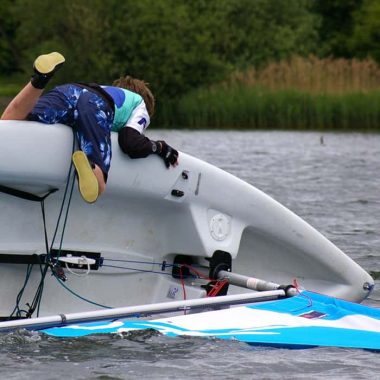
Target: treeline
x: 181, y: 46
x: 175, y: 45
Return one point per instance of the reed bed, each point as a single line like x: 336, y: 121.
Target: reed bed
x: 306, y: 94
x: 313, y: 75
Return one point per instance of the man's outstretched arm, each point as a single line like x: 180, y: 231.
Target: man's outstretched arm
x: 136, y: 145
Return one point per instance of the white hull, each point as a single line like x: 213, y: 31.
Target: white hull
x: 139, y: 220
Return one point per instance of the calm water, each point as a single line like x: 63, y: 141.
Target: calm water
x: 334, y: 187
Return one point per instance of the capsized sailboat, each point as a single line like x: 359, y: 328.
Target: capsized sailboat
x: 155, y: 236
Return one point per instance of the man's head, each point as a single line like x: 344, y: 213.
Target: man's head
x: 139, y: 87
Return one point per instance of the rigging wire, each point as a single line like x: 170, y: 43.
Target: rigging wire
x: 162, y: 264
x: 48, y: 263
x: 137, y: 270
x: 17, y: 309
x: 199, y: 275
x: 36, y: 303
x: 53, y: 262
x: 79, y: 296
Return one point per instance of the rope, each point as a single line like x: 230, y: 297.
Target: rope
x: 183, y: 286
x: 216, y: 289
x: 310, y: 300
x: 83, y: 260
x: 69, y: 177
x: 17, y: 309
x: 162, y: 264
x: 36, y: 303
x: 137, y: 270
x: 79, y: 296
x: 65, y: 220
x: 53, y: 262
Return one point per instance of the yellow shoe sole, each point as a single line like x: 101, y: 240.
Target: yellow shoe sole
x: 87, y: 182
x: 48, y: 63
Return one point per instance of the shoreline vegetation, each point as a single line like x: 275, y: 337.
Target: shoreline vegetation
x: 296, y: 94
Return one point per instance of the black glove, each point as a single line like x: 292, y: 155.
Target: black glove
x: 166, y: 152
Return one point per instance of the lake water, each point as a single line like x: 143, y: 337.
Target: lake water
x: 334, y: 186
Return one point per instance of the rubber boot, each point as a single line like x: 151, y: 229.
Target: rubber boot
x: 87, y: 182
x: 44, y: 67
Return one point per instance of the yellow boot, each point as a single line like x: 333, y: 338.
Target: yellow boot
x: 44, y: 67
x: 48, y: 63
x: 87, y: 182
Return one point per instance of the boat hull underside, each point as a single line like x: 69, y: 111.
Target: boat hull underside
x: 148, y: 216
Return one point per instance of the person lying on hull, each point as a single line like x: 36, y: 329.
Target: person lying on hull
x: 93, y: 111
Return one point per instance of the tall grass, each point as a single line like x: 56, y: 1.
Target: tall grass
x: 313, y: 75
x: 297, y: 94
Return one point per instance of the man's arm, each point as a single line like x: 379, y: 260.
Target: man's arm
x: 136, y: 145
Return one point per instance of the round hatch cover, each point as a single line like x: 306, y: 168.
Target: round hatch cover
x: 219, y: 226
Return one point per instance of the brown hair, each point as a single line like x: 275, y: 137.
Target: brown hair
x: 139, y: 87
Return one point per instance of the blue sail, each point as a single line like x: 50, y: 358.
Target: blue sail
x: 305, y: 320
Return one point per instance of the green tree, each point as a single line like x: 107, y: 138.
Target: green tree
x: 167, y: 42
x: 71, y: 27
x: 163, y: 41
x: 176, y: 45
x: 8, y: 25
x: 260, y: 31
x: 365, y: 40
x: 336, y: 26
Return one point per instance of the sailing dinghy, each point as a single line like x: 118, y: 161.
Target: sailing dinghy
x: 155, y: 236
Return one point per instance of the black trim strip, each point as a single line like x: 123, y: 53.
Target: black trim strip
x: 6, y: 258
x: 24, y: 195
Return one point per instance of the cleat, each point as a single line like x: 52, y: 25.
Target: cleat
x: 87, y: 182
x: 47, y: 64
